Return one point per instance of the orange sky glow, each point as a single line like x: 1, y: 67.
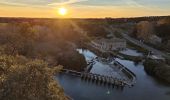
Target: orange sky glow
x: 9, y: 9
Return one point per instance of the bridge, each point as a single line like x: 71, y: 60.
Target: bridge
x: 98, y: 79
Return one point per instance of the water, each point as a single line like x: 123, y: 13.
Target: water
x: 146, y: 88
x: 101, y: 67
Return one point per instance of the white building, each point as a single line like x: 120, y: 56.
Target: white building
x: 109, y: 44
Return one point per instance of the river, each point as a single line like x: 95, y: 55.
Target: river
x: 146, y: 87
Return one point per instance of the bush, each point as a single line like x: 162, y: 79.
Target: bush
x: 157, y: 69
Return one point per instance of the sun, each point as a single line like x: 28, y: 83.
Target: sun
x: 62, y: 11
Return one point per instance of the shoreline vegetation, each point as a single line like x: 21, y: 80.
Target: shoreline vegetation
x: 157, y: 69
x: 28, y: 79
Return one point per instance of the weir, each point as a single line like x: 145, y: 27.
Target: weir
x: 96, y: 78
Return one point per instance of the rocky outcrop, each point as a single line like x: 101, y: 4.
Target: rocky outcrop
x: 157, y: 69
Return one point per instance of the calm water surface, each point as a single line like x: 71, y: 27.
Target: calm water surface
x: 146, y: 87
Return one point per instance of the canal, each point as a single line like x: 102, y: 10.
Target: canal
x: 146, y: 87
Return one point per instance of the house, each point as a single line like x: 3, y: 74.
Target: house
x: 109, y: 44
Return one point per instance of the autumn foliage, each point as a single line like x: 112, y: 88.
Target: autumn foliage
x: 24, y: 79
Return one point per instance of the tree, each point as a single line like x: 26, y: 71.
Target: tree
x: 24, y: 79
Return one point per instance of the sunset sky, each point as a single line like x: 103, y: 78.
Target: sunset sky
x: 84, y: 8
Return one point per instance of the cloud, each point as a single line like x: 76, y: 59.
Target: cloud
x: 134, y: 3
x: 147, y: 4
x: 101, y: 2
x: 67, y: 2
x: 120, y: 3
x: 38, y: 3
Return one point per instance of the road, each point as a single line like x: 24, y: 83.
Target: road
x: 141, y: 44
x: 134, y: 41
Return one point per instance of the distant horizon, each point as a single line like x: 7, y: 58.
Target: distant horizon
x: 84, y: 17
x: 84, y: 8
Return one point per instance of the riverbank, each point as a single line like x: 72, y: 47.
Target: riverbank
x: 157, y: 69
x: 115, y: 54
x: 72, y: 60
x: 96, y: 51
